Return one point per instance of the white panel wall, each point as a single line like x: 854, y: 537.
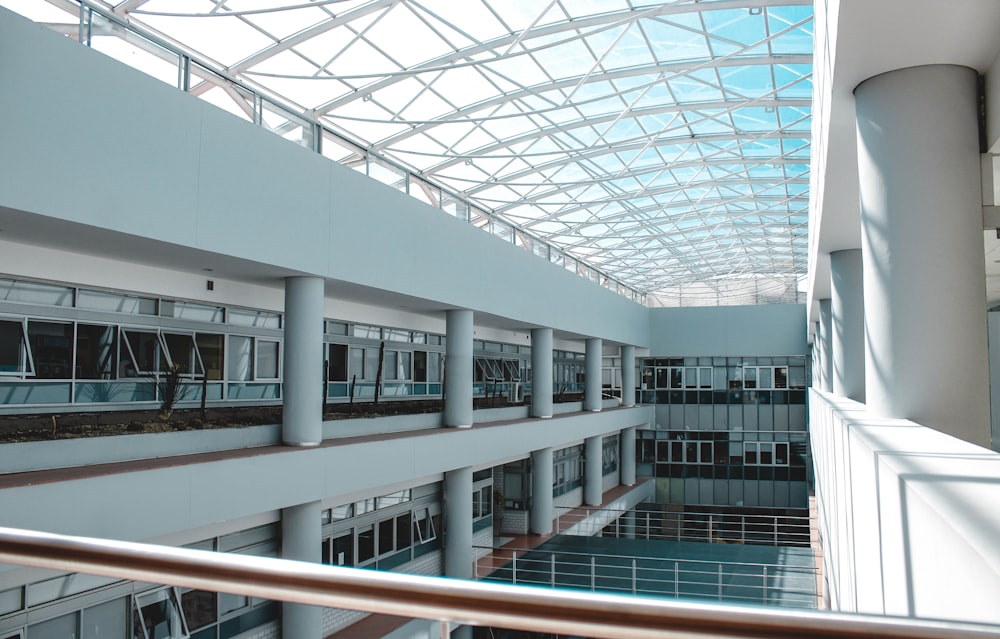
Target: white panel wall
x: 771, y: 329
x: 906, y: 516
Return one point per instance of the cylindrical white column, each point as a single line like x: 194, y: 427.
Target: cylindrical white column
x: 302, y: 391
x: 825, y: 345
x: 541, y: 372
x: 847, y: 306
x: 626, y: 456
x: 628, y: 375
x: 922, y: 241
x: 301, y: 540
x: 592, y: 375
x: 458, y: 523
x: 458, y: 369
x: 593, y: 466
x: 542, y: 510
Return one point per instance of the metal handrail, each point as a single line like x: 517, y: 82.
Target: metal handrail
x: 466, y: 602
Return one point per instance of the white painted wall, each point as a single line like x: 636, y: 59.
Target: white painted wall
x: 772, y: 329
x: 906, y: 516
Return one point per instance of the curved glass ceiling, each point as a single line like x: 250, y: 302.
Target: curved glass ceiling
x: 666, y: 143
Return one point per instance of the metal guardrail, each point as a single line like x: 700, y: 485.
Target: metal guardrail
x: 449, y: 600
x: 702, y: 527
x: 732, y: 581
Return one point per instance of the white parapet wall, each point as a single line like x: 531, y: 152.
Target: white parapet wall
x: 908, y: 516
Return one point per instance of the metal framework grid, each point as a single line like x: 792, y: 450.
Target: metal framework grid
x: 663, y: 143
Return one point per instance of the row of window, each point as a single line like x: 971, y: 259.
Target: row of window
x: 731, y: 378
x: 723, y: 398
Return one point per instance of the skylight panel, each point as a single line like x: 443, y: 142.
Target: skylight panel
x: 641, y: 121
x: 396, y: 32
x: 227, y: 40
x: 468, y: 16
x: 281, y: 24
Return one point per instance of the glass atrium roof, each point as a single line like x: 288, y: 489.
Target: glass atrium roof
x: 665, y: 144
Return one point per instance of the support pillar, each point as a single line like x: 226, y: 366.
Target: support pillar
x: 458, y: 370
x: 542, y: 510
x: 302, y: 391
x: 848, y: 313
x: 301, y: 540
x: 628, y: 375
x: 541, y: 372
x: 458, y: 555
x: 593, y: 488
x: 825, y: 345
x: 592, y: 375
x: 922, y: 242
x: 626, y: 456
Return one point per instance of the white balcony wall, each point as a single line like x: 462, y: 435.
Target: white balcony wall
x: 907, y: 516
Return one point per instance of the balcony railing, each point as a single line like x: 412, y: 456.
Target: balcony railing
x: 449, y: 600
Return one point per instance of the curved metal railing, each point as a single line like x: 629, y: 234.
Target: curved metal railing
x: 450, y: 600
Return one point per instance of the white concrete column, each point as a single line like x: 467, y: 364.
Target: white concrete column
x: 848, y: 314
x: 458, y: 370
x: 592, y: 375
x: 301, y: 540
x: 825, y: 345
x: 458, y: 551
x: 302, y: 391
x: 628, y: 375
x: 541, y: 372
x: 458, y: 555
x: 627, y: 524
x: 922, y: 242
x: 593, y: 489
x: 542, y: 509
x: 626, y: 456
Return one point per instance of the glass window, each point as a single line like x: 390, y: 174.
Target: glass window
x: 63, y: 627
x: 749, y: 453
x: 105, y: 621
x: 386, y: 536
x: 199, y: 312
x: 343, y: 550
x: 338, y: 363
x: 366, y: 332
x: 766, y: 456
x: 371, y: 364
x: 115, y: 303
x: 35, y: 293
x: 676, y: 378
x: 691, y: 378
x: 390, y: 369
x: 357, y: 363
x: 240, y: 360
x: 157, y: 616
x: 403, y: 530
x: 51, y: 349
x: 183, y: 353
x: 781, y: 377
x: 420, y: 366
x: 211, y: 347
x: 267, y: 359
x: 763, y: 377
x: 96, y: 352
x: 142, y: 353
x: 749, y: 377
x: 11, y: 600
x: 434, y: 372
x: 705, y: 377
x: 396, y: 335
x: 366, y: 544
x: 336, y: 328
x: 258, y: 319
x: 403, y: 365
x: 14, y: 356
x: 781, y: 454
x: 200, y: 608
